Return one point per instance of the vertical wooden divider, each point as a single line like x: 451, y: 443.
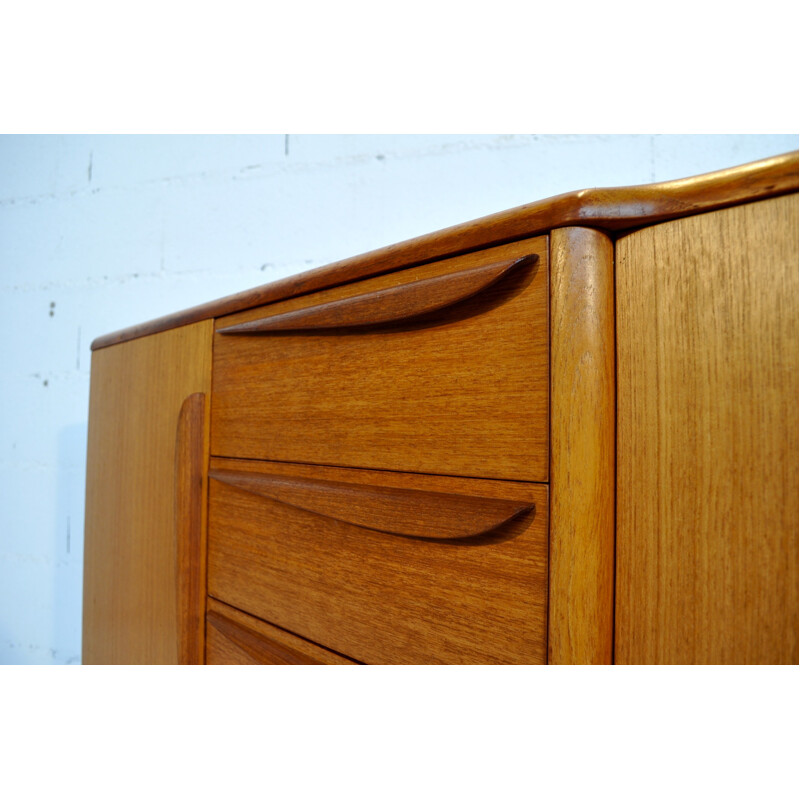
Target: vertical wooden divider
x: 582, y: 447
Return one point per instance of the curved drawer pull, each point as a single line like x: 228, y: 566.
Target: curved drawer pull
x: 401, y: 512
x: 395, y: 304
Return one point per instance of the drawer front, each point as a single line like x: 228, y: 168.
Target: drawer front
x: 233, y: 637
x: 383, y: 567
x: 393, y: 380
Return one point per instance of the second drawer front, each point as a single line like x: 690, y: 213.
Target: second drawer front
x: 383, y: 597
x: 459, y: 391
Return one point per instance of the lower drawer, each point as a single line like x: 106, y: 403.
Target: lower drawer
x: 384, y: 567
x: 233, y: 637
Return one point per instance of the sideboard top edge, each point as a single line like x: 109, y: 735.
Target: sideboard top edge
x: 609, y: 210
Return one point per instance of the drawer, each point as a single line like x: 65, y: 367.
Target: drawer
x: 233, y: 637
x: 438, y: 369
x: 383, y: 567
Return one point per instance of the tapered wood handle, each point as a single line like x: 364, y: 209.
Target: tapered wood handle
x: 400, y: 512
x: 190, y: 503
x: 395, y: 304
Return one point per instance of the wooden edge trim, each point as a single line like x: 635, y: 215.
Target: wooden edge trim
x: 582, y: 447
x: 399, y: 512
x: 605, y: 209
x: 190, y: 525
x: 397, y: 303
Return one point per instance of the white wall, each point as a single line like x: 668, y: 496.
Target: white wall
x: 98, y: 233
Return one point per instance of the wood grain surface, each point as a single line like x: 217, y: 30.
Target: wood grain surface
x: 400, y: 512
x: 707, y: 330
x: 582, y: 436
x: 130, y: 593
x: 377, y: 598
x: 191, y: 463
x: 605, y: 209
x: 406, y: 301
x: 463, y: 393
x: 237, y: 638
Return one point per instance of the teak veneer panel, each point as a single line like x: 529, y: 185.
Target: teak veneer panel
x: 237, y: 638
x: 611, y: 209
x: 582, y: 447
x: 461, y: 392
x: 707, y: 329
x: 130, y: 595
x: 379, y: 598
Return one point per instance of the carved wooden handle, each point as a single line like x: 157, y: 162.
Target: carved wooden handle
x: 190, y: 528
x: 400, y: 512
x: 395, y: 304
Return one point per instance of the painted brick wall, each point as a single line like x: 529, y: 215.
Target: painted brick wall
x: 98, y: 233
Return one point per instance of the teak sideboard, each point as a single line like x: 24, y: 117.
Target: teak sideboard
x: 565, y: 433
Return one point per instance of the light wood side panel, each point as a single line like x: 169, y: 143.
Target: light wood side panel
x: 130, y: 598
x: 581, y: 607
x: 237, y: 638
x: 707, y: 329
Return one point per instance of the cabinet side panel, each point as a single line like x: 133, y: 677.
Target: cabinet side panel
x: 130, y: 604
x: 581, y: 606
x: 707, y: 326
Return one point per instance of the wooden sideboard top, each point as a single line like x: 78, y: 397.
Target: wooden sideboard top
x: 609, y: 210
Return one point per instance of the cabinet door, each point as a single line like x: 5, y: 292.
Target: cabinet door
x: 131, y: 602
x: 707, y: 438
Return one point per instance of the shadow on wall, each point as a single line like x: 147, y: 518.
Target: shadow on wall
x: 68, y: 590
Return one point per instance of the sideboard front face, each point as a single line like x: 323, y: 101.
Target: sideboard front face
x: 572, y: 448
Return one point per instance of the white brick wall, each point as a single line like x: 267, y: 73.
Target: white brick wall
x: 98, y: 232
